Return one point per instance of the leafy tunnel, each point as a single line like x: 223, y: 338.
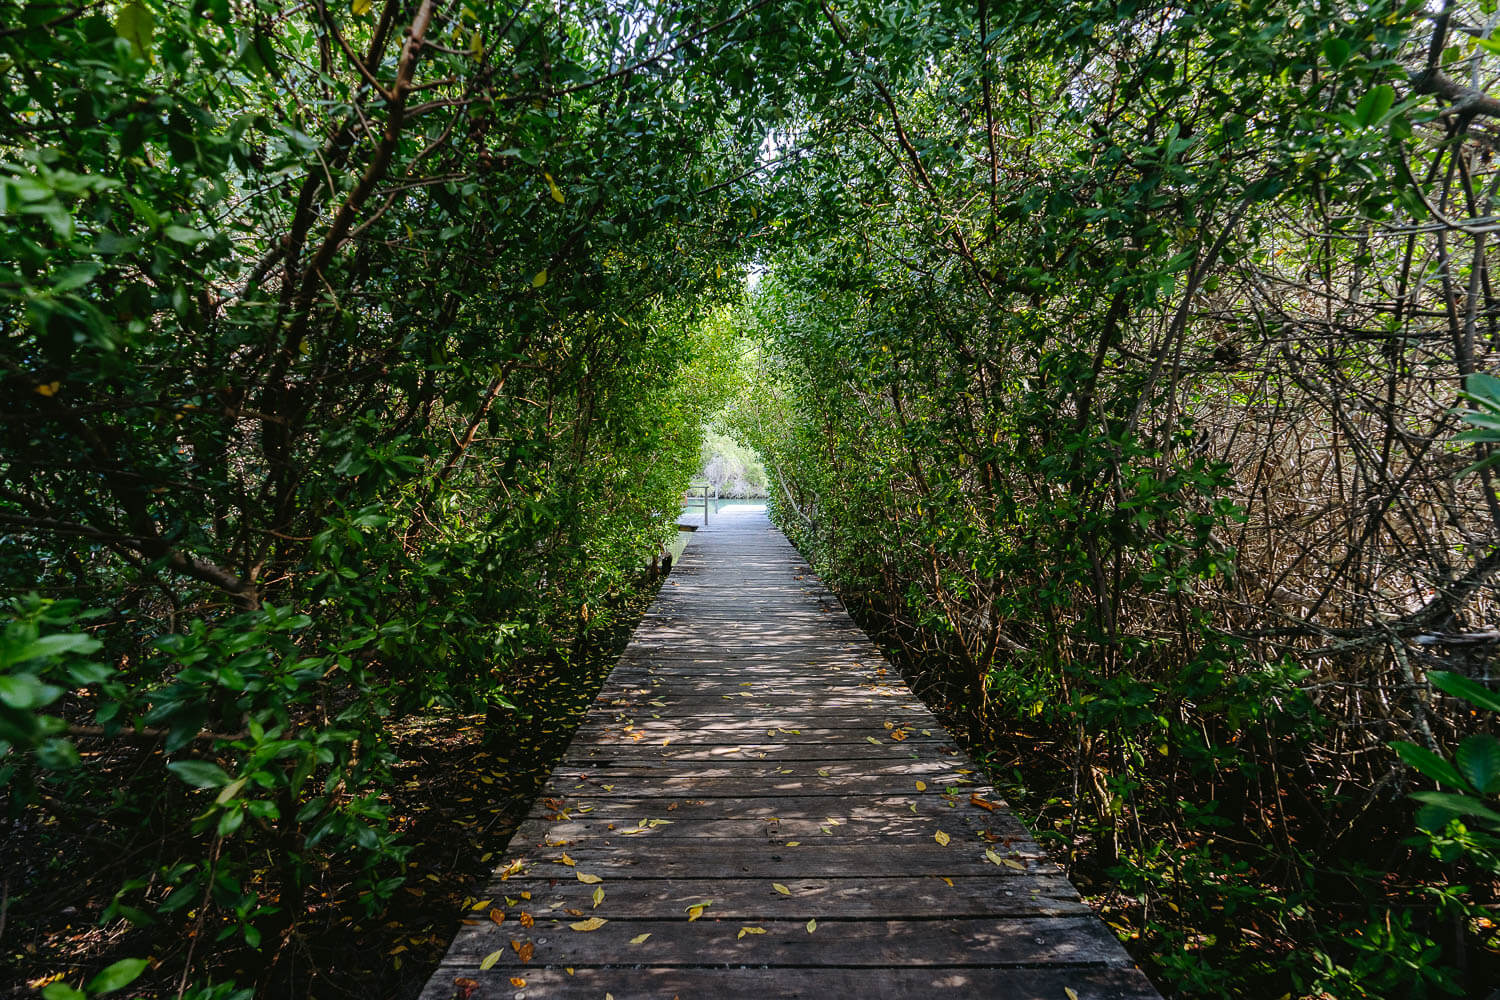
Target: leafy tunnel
x: 1124, y: 365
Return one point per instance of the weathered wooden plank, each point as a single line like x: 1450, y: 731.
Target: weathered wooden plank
x: 782, y: 983
x: 732, y: 728
x: 928, y: 770
x: 825, y: 857
x: 796, y: 815
x: 889, y: 790
x: 959, y: 941
x: 732, y: 803
x: 830, y: 750
x: 649, y: 682
x: 735, y: 705
x: 801, y: 828
x: 771, y: 778
x: 885, y: 897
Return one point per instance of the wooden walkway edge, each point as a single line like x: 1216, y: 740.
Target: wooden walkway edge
x: 757, y: 806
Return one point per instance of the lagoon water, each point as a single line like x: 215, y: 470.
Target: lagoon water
x: 693, y: 515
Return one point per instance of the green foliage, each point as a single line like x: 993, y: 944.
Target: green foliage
x: 39, y: 660
x: 1483, y: 393
x: 1461, y: 818
x: 1046, y: 396
x: 354, y: 357
x: 733, y: 469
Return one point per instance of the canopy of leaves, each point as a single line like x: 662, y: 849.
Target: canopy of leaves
x: 355, y: 357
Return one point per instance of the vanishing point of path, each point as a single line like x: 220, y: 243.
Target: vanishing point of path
x: 757, y: 806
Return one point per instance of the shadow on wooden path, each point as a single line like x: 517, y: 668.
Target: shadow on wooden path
x: 761, y: 808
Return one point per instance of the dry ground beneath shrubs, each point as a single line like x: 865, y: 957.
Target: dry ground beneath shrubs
x: 460, y: 793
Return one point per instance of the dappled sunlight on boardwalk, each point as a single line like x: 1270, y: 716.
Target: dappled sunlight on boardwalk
x: 757, y: 806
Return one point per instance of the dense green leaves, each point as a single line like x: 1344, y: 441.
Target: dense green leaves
x: 355, y: 357
x: 354, y: 360
x: 1111, y: 357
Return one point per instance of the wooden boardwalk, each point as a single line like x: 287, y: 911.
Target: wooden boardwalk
x: 757, y: 806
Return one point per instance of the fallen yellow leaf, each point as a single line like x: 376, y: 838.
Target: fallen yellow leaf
x: 591, y: 924
x: 781, y: 888
x: 941, y: 838
x: 588, y: 879
x: 517, y: 982
x: 921, y: 786
x: 1071, y: 992
x: 749, y: 930
x: 565, y: 860
x: 490, y: 960
x: 640, y: 938
x: 598, y: 896
x: 812, y: 925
